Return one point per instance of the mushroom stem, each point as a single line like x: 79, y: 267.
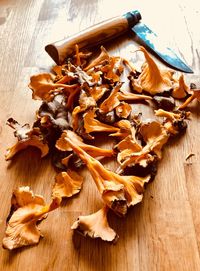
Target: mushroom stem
x: 185, y: 104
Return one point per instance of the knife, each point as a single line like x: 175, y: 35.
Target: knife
x: 112, y: 28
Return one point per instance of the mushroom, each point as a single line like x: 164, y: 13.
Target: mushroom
x: 126, y: 96
x: 180, y: 90
x: 195, y: 94
x: 124, y: 129
x: 44, y: 88
x: 118, y: 192
x: 27, y: 210
x: 67, y: 184
x: 96, y: 226
x: 123, y: 110
x: 110, y: 72
x: 112, y: 101
x: 152, y: 79
x: 154, y: 135
x: 102, y: 57
x: 84, y: 103
x: 93, y: 125
x: 174, y: 122
x: 63, y: 145
x: 26, y: 137
x: 54, y: 114
x: 97, y: 92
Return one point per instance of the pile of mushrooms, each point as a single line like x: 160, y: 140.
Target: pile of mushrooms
x: 81, y: 99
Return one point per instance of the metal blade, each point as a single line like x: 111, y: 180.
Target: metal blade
x: 150, y: 39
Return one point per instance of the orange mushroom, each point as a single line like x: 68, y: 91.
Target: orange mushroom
x: 123, y: 110
x: 44, y: 88
x: 29, y: 209
x: 118, y: 192
x: 96, y: 226
x: 26, y: 137
x: 67, y: 184
x: 112, y: 101
x: 63, y: 145
x: 180, y: 89
x: 93, y: 125
x: 102, y: 57
x: 152, y: 79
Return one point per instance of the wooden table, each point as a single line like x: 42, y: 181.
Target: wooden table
x: 161, y: 233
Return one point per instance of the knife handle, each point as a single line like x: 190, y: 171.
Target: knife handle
x: 92, y: 36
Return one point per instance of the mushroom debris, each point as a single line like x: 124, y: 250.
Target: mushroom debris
x: 81, y: 99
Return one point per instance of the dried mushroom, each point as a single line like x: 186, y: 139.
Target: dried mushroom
x: 166, y: 103
x: 54, y: 114
x: 26, y: 137
x: 27, y: 210
x: 67, y: 184
x: 96, y: 226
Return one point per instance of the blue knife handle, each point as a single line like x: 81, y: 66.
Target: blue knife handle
x: 92, y: 36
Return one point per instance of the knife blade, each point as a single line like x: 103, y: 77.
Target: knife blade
x: 152, y: 41
x: 109, y: 29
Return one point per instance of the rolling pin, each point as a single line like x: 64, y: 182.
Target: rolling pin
x: 92, y: 36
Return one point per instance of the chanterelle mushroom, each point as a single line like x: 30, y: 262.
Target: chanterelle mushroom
x: 67, y: 184
x: 96, y: 226
x: 62, y: 145
x: 26, y: 137
x: 174, y: 122
x: 152, y: 79
x: 118, y: 192
x: 154, y: 135
x: 43, y: 86
x: 27, y: 210
x: 180, y: 89
x: 93, y: 125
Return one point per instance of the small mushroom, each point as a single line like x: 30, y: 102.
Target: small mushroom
x: 26, y: 137
x: 102, y: 57
x: 166, y: 103
x: 123, y: 110
x: 195, y: 95
x: 96, y: 226
x: 85, y: 102
x: 112, y: 101
x: 67, y: 184
x: 174, y: 122
x: 93, y: 125
x: 180, y: 89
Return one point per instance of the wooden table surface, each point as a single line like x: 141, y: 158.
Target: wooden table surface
x: 161, y: 233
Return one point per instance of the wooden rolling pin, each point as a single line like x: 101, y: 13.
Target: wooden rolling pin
x: 92, y: 36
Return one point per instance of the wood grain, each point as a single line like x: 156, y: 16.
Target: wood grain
x: 161, y: 233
